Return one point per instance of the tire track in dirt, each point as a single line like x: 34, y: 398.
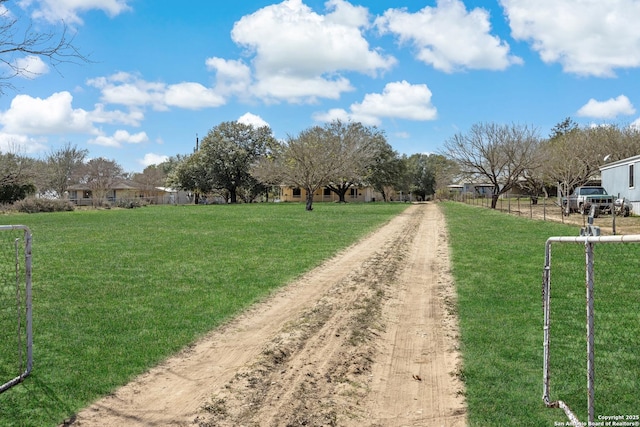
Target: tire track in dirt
x: 324, y: 358
x: 320, y: 352
x: 414, y: 382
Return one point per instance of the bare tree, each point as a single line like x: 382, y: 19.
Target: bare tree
x: 307, y: 161
x: 20, y: 39
x: 573, y: 156
x: 151, y: 176
x: 63, y: 168
x: 358, y: 145
x: 100, y: 175
x: 499, y: 154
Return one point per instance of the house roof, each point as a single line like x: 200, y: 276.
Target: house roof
x: 626, y: 161
x: 117, y: 185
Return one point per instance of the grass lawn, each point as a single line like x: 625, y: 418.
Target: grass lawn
x: 497, y: 265
x: 117, y: 291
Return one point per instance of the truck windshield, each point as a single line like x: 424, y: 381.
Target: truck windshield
x: 592, y: 191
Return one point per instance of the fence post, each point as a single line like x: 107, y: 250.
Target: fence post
x: 613, y: 215
x: 590, y: 335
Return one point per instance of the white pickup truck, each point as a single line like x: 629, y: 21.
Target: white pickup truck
x: 583, y: 198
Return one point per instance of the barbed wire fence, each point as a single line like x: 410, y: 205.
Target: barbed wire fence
x: 550, y: 209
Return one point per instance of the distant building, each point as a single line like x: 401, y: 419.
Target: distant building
x: 123, y: 190
x: 620, y: 179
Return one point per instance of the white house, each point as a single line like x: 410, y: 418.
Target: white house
x: 620, y: 179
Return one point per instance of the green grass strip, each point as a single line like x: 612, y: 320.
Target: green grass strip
x: 115, y: 292
x: 497, y: 266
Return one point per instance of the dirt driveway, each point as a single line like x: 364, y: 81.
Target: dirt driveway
x: 369, y: 338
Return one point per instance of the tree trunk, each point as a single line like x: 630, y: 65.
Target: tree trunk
x: 494, y: 200
x: 233, y: 196
x: 341, y: 191
x: 309, y: 206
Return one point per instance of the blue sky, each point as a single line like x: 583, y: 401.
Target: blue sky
x: 422, y: 71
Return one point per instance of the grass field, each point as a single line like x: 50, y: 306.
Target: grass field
x: 115, y: 292
x: 497, y: 265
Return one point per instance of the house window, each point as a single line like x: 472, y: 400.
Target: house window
x: 297, y: 192
x: 86, y: 194
x: 354, y: 193
x: 631, y: 178
x: 326, y: 192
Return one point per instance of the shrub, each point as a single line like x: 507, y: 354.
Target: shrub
x: 130, y: 203
x: 35, y: 205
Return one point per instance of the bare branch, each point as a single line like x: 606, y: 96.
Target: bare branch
x: 19, y: 39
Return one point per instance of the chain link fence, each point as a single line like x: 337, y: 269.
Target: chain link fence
x: 16, y: 342
x: 592, y: 349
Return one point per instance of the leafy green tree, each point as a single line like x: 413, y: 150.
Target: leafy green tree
x: 422, y: 176
x: 428, y: 173
x: 227, y: 153
x: 386, y: 171
x: 189, y: 173
x: 17, y: 175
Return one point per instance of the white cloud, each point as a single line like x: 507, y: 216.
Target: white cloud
x: 252, y: 119
x: 298, y: 90
x: 69, y: 10
x: 132, y: 117
x: 118, y: 138
x: 332, y: 114
x: 53, y: 115
x: 127, y: 89
x: 31, y: 67
x: 192, y: 96
x: 232, y: 77
x: 22, y: 144
x: 299, y: 55
x: 153, y: 159
x: 608, y: 109
x: 6, y: 12
x: 448, y: 37
x: 399, y: 100
x: 29, y: 117
x: 132, y: 91
x: 587, y: 37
